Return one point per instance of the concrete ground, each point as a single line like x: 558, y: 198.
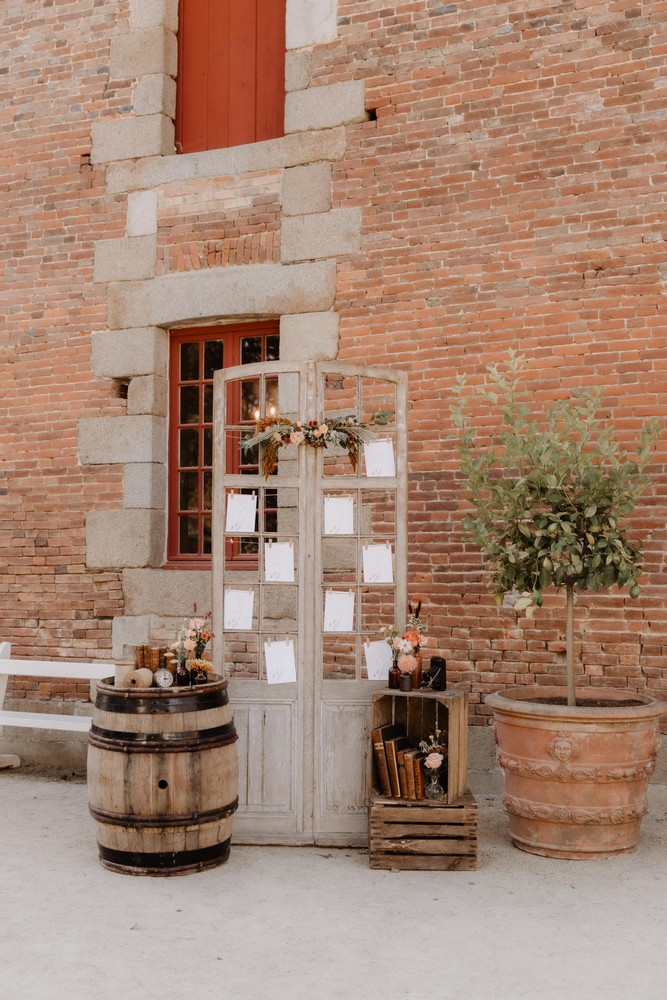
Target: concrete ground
x: 317, y: 923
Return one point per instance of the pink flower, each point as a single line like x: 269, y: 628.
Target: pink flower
x: 433, y: 761
x: 296, y: 437
x: 423, y: 640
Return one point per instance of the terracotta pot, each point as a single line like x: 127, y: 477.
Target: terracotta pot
x: 575, y: 778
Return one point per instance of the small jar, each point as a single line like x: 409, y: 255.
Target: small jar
x: 405, y: 683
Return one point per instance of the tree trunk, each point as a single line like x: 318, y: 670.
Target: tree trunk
x: 569, y: 641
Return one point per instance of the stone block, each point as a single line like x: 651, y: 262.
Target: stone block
x: 287, y: 151
x: 124, y: 259
x: 142, y: 213
x: 329, y: 234
x: 297, y: 70
x: 155, y: 95
x: 128, y: 632
x: 243, y: 290
x: 309, y: 337
x: 145, y: 485
x: 123, y: 538
x: 307, y: 189
x: 310, y: 22
x: 119, y: 440
x: 128, y: 353
x: 325, y: 107
x: 132, y: 137
x: 143, y: 51
x: 166, y: 592
x: 148, y: 394
x: 153, y: 13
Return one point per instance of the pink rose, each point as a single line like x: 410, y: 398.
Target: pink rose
x: 433, y: 761
x: 296, y: 437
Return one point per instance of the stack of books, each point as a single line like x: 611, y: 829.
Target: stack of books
x: 399, y: 765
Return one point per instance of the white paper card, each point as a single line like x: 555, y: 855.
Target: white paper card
x: 338, y: 611
x: 338, y: 515
x: 280, y: 661
x: 241, y: 512
x: 238, y: 609
x: 379, y: 458
x: 279, y: 562
x: 377, y: 563
x: 378, y: 660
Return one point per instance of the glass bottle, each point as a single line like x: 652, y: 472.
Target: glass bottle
x: 182, y: 674
x: 394, y: 676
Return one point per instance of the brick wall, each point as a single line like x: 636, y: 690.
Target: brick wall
x: 54, y: 208
x: 512, y: 194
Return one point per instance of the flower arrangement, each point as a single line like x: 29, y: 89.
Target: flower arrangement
x: 432, y: 764
x: 193, y: 637
x: 407, y: 644
x: 436, y: 743
x: 347, y: 432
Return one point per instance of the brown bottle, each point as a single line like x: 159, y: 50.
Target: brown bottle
x: 394, y: 676
x: 182, y: 675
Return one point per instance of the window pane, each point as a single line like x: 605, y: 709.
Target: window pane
x: 212, y: 357
x: 208, y: 446
x: 206, y: 540
x: 273, y: 348
x: 208, y: 404
x: 189, y: 361
x: 271, y: 391
x: 189, y: 450
x: 208, y: 491
x: 188, y: 535
x: 189, y: 404
x: 249, y: 400
x: 189, y: 491
x: 251, y: 350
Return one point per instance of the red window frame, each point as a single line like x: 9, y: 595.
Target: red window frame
x: 232, y: 338
x: 230, y: 87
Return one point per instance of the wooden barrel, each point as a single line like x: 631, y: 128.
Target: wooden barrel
x: 163, y: 777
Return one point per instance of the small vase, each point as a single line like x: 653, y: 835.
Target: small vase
x: 417, y: 672
x: 200, y: 677
x: 182, y: 675
x: 434, y: 789
x: 199, y: 650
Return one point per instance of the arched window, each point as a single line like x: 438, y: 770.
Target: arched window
x: 230, y: 88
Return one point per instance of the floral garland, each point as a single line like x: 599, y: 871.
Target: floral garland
x: 347, y: 432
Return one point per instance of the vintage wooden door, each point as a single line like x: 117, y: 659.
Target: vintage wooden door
x: 303, y: 744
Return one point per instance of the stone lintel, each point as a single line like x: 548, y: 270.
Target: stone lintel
x: 250, y: 290
x: 288, y: 151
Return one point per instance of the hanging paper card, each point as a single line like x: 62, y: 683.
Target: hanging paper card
x: 378, y: 660
x: 279, y: 562
x: 338, y: 611
x: 238, y: 609
x: 377, y: 564
x: 379, y: 458
x: 338, y: 515
x: 280, y: 661
x: 241, y: 512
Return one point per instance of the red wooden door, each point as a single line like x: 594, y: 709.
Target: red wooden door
x: 231, y: 73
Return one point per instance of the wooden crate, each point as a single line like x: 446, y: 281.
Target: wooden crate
x: 421, y: 712
x: 423, y: 836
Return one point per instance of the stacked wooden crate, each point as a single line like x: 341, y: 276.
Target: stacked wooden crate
x: 425, y: 834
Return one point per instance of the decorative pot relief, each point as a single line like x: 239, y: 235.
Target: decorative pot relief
x: 579, y: 815
x: 543, y: 769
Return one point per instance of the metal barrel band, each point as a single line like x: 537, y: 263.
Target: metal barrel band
x: 124, y: 742
x: 149, y: 704
x: 165, y: 863
x: 147, y: 822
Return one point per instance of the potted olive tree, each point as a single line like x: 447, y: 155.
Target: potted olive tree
x: 549, y: 495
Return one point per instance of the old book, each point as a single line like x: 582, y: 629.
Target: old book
x: 408, y: 757
x: 379, y: 735
x: 402, y: 776
x: 392, y: 747
x: 419, y: 775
